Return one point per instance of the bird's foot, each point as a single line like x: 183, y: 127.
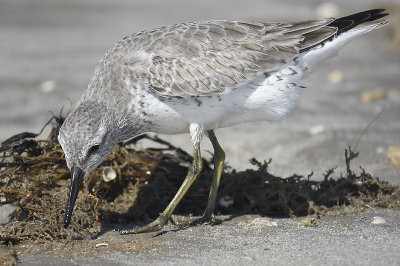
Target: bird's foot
x: 205, y: 219
x: 161, y: 221
x: 154, y: 226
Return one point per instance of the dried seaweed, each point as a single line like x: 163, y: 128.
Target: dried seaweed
x: 34, y: 176
x: 37, y: 178
x: 259, y: 192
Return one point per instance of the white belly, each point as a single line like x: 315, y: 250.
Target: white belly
x: 262, y: 99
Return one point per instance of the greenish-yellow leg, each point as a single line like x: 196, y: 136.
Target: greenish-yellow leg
x: 219, y: 159
x: 194, y: 172
x: 162, y: 220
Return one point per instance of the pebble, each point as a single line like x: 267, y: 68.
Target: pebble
x: 336, y: 77
x: 373, y: 95
x: 48, y: 86
x: 317, y: 129
x: 327, y: 10
x: 394, y: 155
x: 380, y: 150
x: 5, y: 211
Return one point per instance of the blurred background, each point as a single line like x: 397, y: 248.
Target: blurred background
x: 49, y: 48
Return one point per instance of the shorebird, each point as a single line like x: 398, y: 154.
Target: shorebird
x: 197, y: 77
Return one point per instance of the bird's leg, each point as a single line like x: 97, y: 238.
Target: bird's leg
x: 196, y: 132
x: 219, y: 159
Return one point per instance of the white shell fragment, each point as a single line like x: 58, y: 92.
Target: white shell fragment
x: 378, y: 220
x: 109, y: 174
x: 101, y: 245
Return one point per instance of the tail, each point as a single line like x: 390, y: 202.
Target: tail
x: 317, y: 46
x: 362, y: 19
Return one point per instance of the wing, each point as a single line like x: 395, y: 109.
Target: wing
x: 200, y: 59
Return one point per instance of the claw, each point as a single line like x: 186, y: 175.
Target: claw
x: 172, y: 221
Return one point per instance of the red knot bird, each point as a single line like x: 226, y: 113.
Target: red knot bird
x: 197, y: 77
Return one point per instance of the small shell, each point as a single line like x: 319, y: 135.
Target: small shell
x: 101, y: 245
x: 109, y: 174
x: 378, y: 220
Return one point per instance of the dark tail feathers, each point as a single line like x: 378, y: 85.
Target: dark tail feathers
x: 346, y: 23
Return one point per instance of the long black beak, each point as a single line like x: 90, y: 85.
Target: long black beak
x: 77, y: 176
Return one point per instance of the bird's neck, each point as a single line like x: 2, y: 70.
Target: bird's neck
x: 128, y: 126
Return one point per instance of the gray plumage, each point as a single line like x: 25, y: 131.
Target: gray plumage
x: 200, y: 59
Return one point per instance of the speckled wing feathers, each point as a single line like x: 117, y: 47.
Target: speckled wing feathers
x: 200, y: 59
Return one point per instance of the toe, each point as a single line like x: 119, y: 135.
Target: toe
x: 154, y: 226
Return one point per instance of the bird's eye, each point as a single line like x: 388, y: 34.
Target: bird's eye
x: 93, y: 149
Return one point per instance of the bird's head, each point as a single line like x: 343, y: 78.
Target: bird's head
x: 87, y: 137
